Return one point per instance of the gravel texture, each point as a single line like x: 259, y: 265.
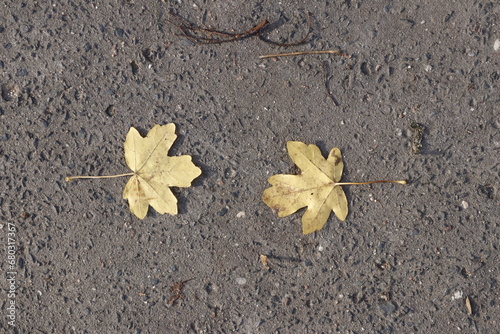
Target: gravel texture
x: 418, y: 99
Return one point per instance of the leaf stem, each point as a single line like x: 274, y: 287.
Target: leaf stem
x: 370, y: 182
x: 334, y: 52
x: 71, y: 178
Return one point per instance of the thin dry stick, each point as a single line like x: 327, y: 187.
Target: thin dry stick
x: 300, y: 53
x: 71, y: 178
x: 327, y: 85
x: 370, y: 182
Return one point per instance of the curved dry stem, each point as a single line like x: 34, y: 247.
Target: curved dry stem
x: 334, y: 52
x: 370, y: 182
x: 71, y: 178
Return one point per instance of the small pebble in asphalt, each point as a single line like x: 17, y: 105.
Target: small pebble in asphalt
x: 241, y: 280
x: 496, y: 45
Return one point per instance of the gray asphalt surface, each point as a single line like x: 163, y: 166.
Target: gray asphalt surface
x: 76, y: 75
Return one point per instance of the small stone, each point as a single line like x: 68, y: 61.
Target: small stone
x: 240, y: 214
x: 387, y: 308
x: 496, y: 45
x: 230, y: 173
x: 428, y: 68
x: 187, y: 42
x: 119, y: 32
x: 457, y: 295
x: 465, y: 205
x: 241, y: 281
x: 10, y: 92
x: 222, y: 212
x: 21, y: 72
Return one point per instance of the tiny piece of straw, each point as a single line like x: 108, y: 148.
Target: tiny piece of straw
x: 71, y: 178
x: 370, y: 182
x: 333, y: 52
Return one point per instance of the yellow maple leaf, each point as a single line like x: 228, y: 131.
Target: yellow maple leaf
x: 318, y: 187
x: 154, y: 172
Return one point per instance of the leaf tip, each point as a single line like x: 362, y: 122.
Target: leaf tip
x: 140, y: 215
x: 308, y: 228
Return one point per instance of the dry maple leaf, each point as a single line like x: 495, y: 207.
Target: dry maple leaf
x: 317, y: 187
x: 154, y: 172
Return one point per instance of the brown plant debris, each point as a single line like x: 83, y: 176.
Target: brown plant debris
x: 468, y: 305
x: 263, y: 260
x: 325, y: 65
x: 200, y: 35
x: 176, y: 290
